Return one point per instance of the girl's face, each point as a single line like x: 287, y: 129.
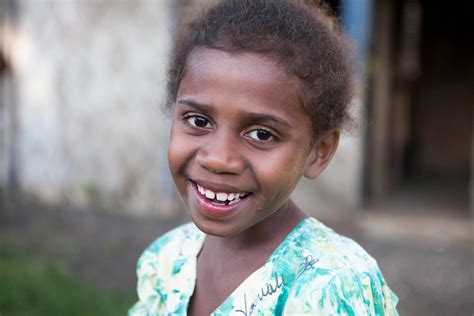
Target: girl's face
x: 239, y: 141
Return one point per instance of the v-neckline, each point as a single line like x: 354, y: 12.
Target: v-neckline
x: 260, y: 269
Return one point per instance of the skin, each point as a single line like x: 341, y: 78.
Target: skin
x: 238, y: 126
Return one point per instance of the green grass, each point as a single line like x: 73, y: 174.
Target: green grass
x: 31, y: 286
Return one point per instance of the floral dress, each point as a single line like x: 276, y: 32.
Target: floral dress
x: 314, y: 271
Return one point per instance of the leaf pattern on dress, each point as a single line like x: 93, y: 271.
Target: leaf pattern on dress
x: 314, y: 271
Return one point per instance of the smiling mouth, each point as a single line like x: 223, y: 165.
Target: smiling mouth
x: 220, y: 198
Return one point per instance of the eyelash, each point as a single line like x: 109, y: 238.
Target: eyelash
x: 271, y: 136
x: 188, y: 117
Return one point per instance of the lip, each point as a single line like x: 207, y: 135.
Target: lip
x: 218, y: 187
x: 214, y: 210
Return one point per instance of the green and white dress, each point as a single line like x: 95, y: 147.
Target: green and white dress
x: 314, y: 271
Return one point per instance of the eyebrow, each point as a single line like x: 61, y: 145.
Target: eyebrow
x: 195, y: 105
x: 258, y: 117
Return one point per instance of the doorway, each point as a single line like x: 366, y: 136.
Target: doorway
x: 421, y: 103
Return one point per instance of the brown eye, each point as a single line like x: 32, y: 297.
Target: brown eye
x: 198, y: 121
x: 261, y: 135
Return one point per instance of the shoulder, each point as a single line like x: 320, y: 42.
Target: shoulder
x: 345, y: 292
x: 159, y: 265
x: 332, y: 250
x: 166, y: 255
x: 180, y: 234
x: 338, y: 277
x: 178, y: 240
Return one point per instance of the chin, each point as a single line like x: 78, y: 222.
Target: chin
x: 217, y: 229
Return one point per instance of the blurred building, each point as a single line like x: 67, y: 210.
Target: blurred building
x: 83, y: 125
x: 83, y: 81
x: 420, y: 142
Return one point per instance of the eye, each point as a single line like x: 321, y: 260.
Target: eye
x: 261, y: 135
x: 198, y: 121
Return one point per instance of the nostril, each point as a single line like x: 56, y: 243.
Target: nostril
x: 220, y: 162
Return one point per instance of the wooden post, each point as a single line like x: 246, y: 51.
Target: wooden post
x: 472, y: 169
x: 379, y: 123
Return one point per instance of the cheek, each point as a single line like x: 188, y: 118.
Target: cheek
x: 178, y: 151
x: 282, y: 175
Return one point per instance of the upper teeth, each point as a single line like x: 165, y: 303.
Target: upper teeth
x: 220, y: 196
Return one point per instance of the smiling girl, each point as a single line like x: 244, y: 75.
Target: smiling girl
x: 259, y: 92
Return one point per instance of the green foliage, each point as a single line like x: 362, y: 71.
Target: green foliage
x: 29, y: 286
x: 91, y: 191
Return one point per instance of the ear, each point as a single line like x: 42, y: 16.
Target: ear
x: 321, y: 154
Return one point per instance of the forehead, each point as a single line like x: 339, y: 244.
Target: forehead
x: 236, y: 62
x: 241, y: 80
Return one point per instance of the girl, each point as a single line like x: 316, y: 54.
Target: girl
x: 259, y: 92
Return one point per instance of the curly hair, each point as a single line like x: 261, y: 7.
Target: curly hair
x: 301, y: 35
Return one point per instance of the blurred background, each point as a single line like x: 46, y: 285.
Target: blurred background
x: 84, y: 181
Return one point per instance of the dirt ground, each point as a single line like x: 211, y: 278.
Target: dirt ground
x: 427, y: 263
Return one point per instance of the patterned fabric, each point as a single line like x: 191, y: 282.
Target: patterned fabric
x: 314, y: 271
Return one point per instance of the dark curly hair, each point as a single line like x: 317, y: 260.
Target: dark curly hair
x: 303, y: 37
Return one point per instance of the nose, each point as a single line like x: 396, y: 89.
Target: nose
x: 220, y: 155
